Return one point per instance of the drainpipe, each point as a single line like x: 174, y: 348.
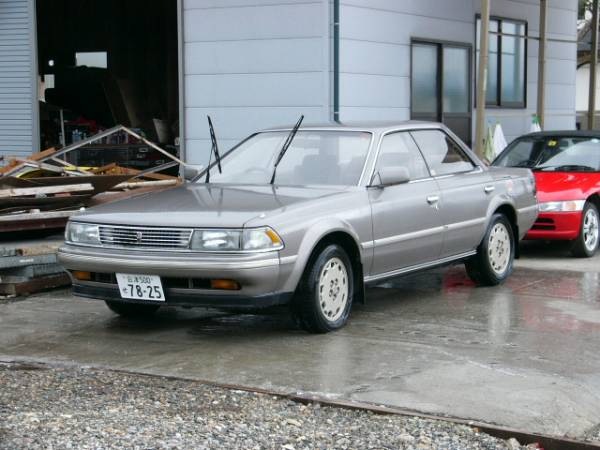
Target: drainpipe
x: 336, y: 61
x: 593, y: 65
x: 541, y: 93
x: 484, y: 38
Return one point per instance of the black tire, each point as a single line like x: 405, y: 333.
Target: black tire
x: 308, y: 305
x: 586, y: 244
x: 132, y: 310
x: 482, y: 268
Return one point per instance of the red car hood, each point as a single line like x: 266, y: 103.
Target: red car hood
x: 556, y: 186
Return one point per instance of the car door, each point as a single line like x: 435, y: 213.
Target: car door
x: 407, y: 226
x: 465, y: 188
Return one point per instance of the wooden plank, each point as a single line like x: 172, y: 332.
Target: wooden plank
x: 138, y: 184
x: 153, y: 176
x: 35, y: 285
x: 39, y: 155
x: 38, y: 215
x: 105, y: 168
x: 21, y: 192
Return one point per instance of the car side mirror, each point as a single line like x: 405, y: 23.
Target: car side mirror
x: 190, y: 172
x: 389, y: 176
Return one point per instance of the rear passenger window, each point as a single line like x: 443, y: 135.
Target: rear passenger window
x: 399, y: 150
x: 442, y: 154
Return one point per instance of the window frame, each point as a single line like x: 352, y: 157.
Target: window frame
x: 410, y: 136
x: 434, y: 174
x: 499, y: 103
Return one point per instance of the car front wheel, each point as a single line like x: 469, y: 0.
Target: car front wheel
x: 324, y: 297
x: 131, y: 310
x: 493, y: 262
x: 586, y: 243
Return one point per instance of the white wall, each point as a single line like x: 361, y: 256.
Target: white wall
x: 375, y: 55
x: 252, y: 64
x: 18, y: 79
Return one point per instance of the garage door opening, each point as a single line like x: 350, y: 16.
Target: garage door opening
x: 106, y: 63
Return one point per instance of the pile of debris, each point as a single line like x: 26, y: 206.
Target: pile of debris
x: 30, y: 266
x: 43, y: 190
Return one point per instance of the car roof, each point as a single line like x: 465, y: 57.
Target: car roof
x: 374, y: 127
x: 563, y: 133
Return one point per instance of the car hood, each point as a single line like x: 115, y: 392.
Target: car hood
x: 201, y: 205
x: 556, y: 186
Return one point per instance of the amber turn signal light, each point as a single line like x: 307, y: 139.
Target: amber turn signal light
x: 228, y: 285
x: 83, y: 276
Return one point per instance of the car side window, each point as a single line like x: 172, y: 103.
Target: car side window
x: 399, y: 150
x: 442, y: 154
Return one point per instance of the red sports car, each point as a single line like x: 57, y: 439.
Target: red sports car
x: 566, y: 165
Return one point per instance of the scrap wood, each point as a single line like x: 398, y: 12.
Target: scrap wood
x: 104, y: 169
x: 109, y: 132
x: 35, y: 221
x: 138, y: 184
x: 40, y: 155
x: 35, y: 284
x: 17, y: 192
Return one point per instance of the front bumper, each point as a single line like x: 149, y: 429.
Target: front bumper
x: 261, y: 275
x: 556, y: 226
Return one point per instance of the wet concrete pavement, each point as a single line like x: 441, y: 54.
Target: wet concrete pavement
x: 523, y: 355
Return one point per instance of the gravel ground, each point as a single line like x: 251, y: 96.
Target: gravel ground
x: 82, y: 408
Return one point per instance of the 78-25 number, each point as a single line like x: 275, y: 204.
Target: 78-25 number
x: 151, y: 291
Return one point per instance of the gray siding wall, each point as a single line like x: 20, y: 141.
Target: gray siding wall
x: 18, y: 96
x: 375, y: 55
x: 252, y: 64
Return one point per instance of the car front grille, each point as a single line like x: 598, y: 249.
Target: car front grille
x: 145, y: 237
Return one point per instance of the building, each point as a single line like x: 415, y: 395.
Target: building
x: 257, y: 63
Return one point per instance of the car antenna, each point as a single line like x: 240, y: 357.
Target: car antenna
x: 285, y: 146
x: 214, y: 149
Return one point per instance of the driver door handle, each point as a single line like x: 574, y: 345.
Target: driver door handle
x: 433, y: 199
x: 489, y: 189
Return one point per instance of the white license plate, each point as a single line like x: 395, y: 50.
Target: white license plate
x: 140, y: 287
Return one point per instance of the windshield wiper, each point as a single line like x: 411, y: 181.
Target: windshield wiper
x: 214, y: 149
x: 567, y: 168
x: 285, y: 146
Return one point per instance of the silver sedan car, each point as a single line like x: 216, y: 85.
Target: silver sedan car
x: 306, y: 217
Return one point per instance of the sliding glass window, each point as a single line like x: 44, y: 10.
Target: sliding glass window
x: 507, y: 67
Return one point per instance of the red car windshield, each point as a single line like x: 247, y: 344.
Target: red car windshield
x: 553, y: 154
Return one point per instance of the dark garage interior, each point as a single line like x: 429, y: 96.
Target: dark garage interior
x: 108, y: 63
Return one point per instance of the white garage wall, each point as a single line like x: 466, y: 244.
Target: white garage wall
x: 252, y: 64
x: 18, y: 95
x: 375, y: 55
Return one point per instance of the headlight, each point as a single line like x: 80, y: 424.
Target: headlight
x: 82, y: 233
x: 216, y: 240
x: 565, y: 206
x: 255, y: 239
x: 261, y: 239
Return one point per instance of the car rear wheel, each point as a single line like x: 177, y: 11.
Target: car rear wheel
x: 586, y: 243
x: 324, y: 297
x: 131, y: 310
x: 493, y: 262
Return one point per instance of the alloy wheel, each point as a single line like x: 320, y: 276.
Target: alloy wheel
x: 333, y: 289
x: 499, y: 248
x: 590, y: 229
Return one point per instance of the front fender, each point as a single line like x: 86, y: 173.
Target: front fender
x: 315, y: 234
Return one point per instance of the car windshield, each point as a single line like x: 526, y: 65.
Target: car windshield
x: 314, y: 157
x: 553, y: 154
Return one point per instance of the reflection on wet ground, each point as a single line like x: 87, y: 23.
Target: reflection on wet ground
x: 523, y: 354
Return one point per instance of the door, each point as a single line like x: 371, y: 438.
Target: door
x: 464, y: 190
x: 407, y: 226
x: 441, y: 85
